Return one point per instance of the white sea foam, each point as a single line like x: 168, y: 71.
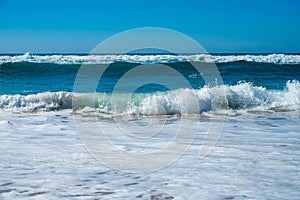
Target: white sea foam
x: 242, y: 96
x: 256, y: 157
x: 36, y: 102
x: 149, y: 59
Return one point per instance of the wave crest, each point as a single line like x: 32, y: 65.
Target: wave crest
x: 149, y: 59
x: 242, y: 96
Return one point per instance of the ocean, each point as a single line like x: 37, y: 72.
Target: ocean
x: 255, y: 106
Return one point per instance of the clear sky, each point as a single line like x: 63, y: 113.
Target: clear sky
x: 64, y: 26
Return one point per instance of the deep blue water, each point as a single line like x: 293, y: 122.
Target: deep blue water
x: 31, y: 78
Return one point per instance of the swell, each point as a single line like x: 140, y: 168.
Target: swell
x: 28, y: 78
x: 241, y: 67
x: 242, y: 96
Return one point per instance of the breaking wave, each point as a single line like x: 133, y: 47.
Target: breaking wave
x: 242, y: 96
x: 149, y: 59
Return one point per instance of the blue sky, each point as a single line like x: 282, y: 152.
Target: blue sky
x: 219, y: 26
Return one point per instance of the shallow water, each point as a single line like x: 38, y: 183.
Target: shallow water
x: 256, y: 157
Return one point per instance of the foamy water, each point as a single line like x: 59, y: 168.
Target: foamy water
x: 243, y: 96
x: 257, y: 156
x: 149, y: 59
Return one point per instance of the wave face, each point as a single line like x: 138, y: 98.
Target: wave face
x: 242, y: 96
x: 149, y: 59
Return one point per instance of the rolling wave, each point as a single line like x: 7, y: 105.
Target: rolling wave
x: 242, y: 96
x: 149, y: 59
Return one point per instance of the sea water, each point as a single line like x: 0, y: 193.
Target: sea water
x: 255, y: 157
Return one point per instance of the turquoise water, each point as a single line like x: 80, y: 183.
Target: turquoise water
x: 32, y: 77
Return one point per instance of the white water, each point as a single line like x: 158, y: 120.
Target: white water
x: 242, y: 96
x: 256, y: 157
x: 149, y: 59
